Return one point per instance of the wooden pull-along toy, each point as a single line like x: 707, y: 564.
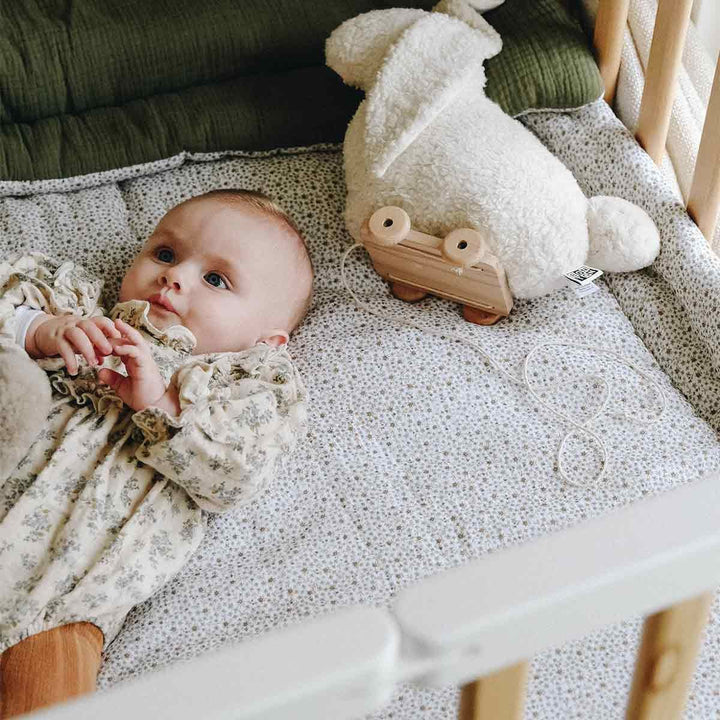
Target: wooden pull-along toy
x: 458, y: 267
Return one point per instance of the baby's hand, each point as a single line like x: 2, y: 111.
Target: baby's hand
x: 144, y: 384
x: 66, y: 335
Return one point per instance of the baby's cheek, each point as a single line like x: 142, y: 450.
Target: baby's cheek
x: 123, y: 295
x: 229, y: 325
x: 129, y: 285
x: 209, y: 330
x: 241, y: 332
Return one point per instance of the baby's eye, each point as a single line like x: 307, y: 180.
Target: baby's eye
x: 215, y: 280
x: 164, y: 255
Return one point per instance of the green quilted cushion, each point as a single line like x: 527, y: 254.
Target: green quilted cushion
x: 545, y: 62
x: 91, y: 85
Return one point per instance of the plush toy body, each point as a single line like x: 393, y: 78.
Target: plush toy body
x: 25, y: 396
x: 427, y: 138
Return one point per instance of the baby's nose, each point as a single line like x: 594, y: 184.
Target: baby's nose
x: 171, y: 277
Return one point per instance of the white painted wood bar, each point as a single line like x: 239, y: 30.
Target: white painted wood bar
x: 668, y: 41
x: 337, y: 666
x: 704, y: 199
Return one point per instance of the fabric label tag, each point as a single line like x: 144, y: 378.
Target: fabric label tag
x: 583, y: 290
x: 584, y: 275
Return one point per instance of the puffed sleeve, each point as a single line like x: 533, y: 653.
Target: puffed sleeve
x: 240, y: 413
x: 38, y: 281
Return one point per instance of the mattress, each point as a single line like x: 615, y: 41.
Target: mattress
x: 421, y: 455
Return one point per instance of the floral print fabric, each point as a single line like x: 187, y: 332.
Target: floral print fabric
x: 107, y: 505
x: 419, y: 456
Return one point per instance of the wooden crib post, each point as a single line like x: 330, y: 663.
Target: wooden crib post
x: 499, y: 696
x: 704, y: 199
x: 608, y: 40
x: 666, y: 660
x: 671, y: 23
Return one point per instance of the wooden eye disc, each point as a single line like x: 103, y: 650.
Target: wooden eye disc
x: 389, y: 225
x: 464, y: 247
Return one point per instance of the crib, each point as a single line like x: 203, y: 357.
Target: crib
x: 478, y: 625
x: 484, y: 618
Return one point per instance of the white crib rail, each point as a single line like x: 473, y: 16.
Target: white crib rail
x: 453, y: 626
x: 340, y: 665
x: 511, y: 604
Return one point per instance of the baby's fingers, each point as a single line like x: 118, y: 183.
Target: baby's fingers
x: 67, y: 353
x: 129, y: 332
x: 80, y: 341
x: 106, y: 325
x: 128, y: 350
x: 96, y: 337
x: 110, y: 377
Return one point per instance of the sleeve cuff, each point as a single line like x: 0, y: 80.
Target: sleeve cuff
x: 156, y: 424
x: 24, y: 317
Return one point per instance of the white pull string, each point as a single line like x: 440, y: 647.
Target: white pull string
x: 581, y: 427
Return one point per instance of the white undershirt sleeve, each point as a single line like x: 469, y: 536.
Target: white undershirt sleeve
x: 24, y: 316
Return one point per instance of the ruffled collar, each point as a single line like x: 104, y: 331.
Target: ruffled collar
x: 135, y: 313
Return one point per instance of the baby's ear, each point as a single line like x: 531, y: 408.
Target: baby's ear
x: 355, y: 49
x: 275, y: 337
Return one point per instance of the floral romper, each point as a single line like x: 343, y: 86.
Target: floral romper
x: 107, y: 505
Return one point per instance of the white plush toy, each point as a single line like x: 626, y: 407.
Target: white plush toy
x: 427, y: 138
x: 25, y: 400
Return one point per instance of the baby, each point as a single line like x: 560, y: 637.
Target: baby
x: 181, y: 400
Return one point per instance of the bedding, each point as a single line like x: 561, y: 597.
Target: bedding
x: 420, y: 455
x: 91, y: 86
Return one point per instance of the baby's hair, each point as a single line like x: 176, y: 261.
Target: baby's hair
x: 265, y: 204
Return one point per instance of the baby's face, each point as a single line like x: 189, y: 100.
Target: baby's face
x: 226, y: 273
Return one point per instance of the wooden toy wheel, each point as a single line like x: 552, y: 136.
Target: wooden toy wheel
x: 464, y: 247
x: 389, y: 225
x: 408, y: 293
x: 480, y: 317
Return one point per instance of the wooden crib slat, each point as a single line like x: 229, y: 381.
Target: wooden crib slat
x: 704, y: 199
x: 498, y: 696
x: 608, y: 39
x: 668, y: 41
x: 666, y: 660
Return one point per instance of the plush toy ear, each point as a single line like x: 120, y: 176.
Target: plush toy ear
x: 483, y: 5
x: 463, y: 9
x: 432, y: 62
x: 355, y: 49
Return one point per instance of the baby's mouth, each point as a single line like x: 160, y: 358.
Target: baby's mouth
x: 161, y: 317
x: 161, y: 304
x: 161, y: 309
